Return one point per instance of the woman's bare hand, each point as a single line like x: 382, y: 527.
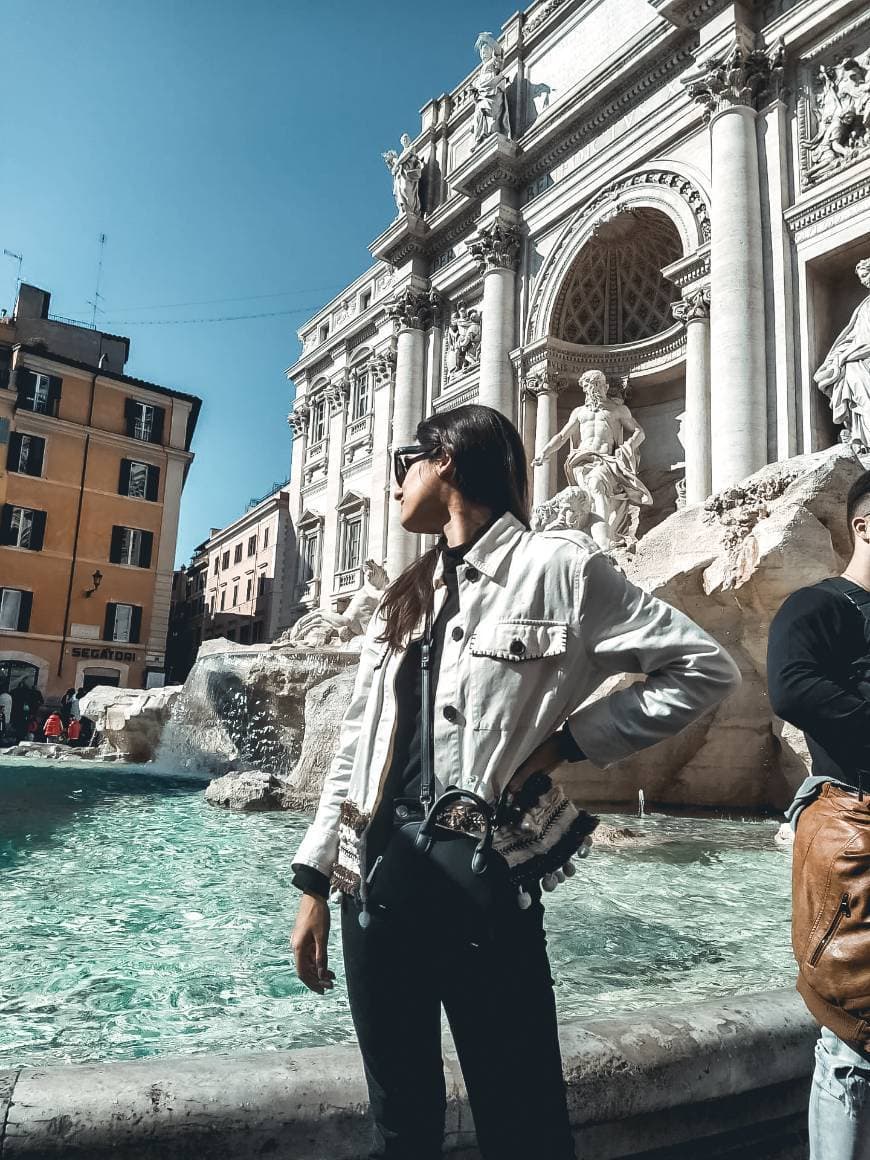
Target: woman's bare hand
x: 310, y: 936
x: 542, y: 760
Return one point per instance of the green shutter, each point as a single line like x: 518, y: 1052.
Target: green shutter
x: 146, y: 549
x: 157, y: 428
x: 135, y: 624
x: 130, y: 415
x: 14, y: 454
x: 37, y: 455
x: 109, y: 623
x: 37, y: 534
x: 115, y: 546
x: 152, y: 483
x: 124, y: 478
x: 24, y: 610
x: 6, y: 524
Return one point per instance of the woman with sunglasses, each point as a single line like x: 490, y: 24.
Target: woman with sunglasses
x: 522, y: 628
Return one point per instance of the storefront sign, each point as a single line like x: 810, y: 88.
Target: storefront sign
x: 103, y: 654
x: 85, y: 631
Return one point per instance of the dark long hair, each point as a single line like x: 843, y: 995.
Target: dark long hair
x: 489, y: 469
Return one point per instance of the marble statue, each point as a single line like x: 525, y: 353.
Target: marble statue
x: 323, y: 628
x: 841, y: 110
x: 570, y: 509
x: 491, y: 113
x: 463, y: 342
x: 603, y: 460
x: 407, y: 170
x: 844, y: 376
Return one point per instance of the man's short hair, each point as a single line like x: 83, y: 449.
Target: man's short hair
x: 858, y: 499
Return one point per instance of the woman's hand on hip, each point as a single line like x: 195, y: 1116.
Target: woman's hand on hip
x: 542, y: 760
x: 310, y: 936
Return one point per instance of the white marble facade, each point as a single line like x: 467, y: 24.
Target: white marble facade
x: 655, y: 189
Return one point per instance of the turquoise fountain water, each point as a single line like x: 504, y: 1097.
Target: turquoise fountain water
x: 137, y: 920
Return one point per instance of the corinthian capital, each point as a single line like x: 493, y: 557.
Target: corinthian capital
x: 337, y: 394
x: 413, y: 308
x: 496, y: 247
x: 740, y: 77
x: 298, y: 420
x: 692, y: 306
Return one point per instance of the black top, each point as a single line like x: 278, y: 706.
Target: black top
x: 818, y: 649
x: 404, y: 777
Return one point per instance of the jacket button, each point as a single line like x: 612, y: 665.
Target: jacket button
x: 450, y: 713
x: 471, y: 573
x: 517, y: 648
x: 457, y: 633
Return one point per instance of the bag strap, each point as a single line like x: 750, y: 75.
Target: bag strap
x: 427, y: 772
x: 853, y: 592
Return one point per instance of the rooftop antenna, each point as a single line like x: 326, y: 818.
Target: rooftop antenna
x: 95, y: 302
x: 19, y: 259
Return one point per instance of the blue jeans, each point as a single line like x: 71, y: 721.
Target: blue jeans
x: 839, y: 1102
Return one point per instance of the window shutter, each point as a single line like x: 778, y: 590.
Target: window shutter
x: 14, y: 452
x: 37, y: 455
x: 37, y: 535
x: 54, y: 387
x: 109, y: 626
x: 145, y: 553
x: 6, y: 524
x: 135, y: 624
x: 124, y: 478
x: 25, y: 385
x: 157, y: 428
x: 24, y: 610
x: 152, y: 483
x: 130, y: 415
x: 115, y: 547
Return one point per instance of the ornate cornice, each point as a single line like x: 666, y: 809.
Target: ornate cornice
x: 452, y: 399
x: 739, y: 77
x: 692, y: 306
x: 688, y: 270
x: 496, y: 247
x: 809, y: 218
x: 412, y: 309
x: 688, y: 191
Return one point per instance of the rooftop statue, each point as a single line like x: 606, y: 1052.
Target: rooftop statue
x: 491, y: 113
x: 407, y: 170
x: 844, y: 376
x: 603, y: 460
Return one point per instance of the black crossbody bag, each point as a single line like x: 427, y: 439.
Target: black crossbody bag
x: 437, y: 870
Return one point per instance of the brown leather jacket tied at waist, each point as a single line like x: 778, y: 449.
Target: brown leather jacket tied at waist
x: 831, y: 913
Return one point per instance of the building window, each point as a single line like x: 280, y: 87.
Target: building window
x: 318, y: 421
x: 365, y: 300
x: 257, y: 635
x: 223, y: 599
x: 131, y: 546
x: 217, y: 565
x: 15, y: 606
x: 123, y: 623
x: 26, y: 453
x: 237, y: 554
x: 38, y: 393
x: 324, y: 332
x: 310, y: 555
x: 235, y: 595
x: 249, y: 588
x: 225, y: 560
x: 22, y: 527
x: 265, y: 537
x: 139, y: 480
x: 360, y: 399
x: 351, y: 541
x: 261, y: 584
x: 144, y: 421
x: 252, y: 545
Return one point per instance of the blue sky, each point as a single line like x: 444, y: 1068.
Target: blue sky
x: 231, y: 153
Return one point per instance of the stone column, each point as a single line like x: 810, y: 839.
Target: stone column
x: 298, y: 422
x: 694, y: 312
x: 730, y: 90
x: 337, y: 397
x: 411, y: 311
x: 544, y: 478
x: 496, y: 248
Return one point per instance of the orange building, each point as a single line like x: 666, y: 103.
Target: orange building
x: 92, y: 466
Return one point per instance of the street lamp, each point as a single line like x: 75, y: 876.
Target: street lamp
x: 97, y: 579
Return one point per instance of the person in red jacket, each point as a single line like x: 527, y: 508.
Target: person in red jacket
x: 73, y: 731
x: 53, y: 727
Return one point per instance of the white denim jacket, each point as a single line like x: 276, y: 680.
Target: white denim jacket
x: 545, y: 619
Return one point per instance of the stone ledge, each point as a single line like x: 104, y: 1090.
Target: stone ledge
x: 724, y: 1076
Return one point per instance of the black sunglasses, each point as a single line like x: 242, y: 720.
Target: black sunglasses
x: 404, y: 459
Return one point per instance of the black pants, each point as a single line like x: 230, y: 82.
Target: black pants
x: 500, y: 1006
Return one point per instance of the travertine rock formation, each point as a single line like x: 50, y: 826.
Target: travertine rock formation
x: 130, y: 722
x: 729, y: 565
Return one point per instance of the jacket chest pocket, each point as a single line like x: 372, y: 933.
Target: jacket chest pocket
x: 516, y: 668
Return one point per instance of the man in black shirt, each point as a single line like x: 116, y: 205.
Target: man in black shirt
x: 819, y: 679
